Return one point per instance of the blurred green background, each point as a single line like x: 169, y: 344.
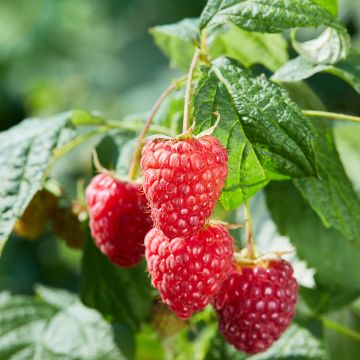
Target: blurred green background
x: 98, y: 55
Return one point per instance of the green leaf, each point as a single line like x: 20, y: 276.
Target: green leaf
x: 300, y: 68
x: 333, y: 256
x: 115, y: 150
x: 25, y: 153
x: 330, y: 47
x: 332, y: 195
x: 178, y: 41
x: 33, y: 328
x: 265, y: 133
x: 348, y: 70
x: 251, y: 48
x: 122, y: 295
x: 266, y: 15
x: 300, y: 342
x: 330, y: 5
x: 303, y: 95
x: 149, y: 345
x: 347, y: 142
x: 323, y: 299
x: 195, y: 340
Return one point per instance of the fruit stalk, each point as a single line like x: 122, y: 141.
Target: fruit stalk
x: 194, y: 62
x: 134, y: 164
x: 249, y: 232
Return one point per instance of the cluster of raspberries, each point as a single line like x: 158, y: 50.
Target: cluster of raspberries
x: 189, y: 259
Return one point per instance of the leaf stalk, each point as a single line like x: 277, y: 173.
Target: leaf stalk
x: 331, y: 115
x: 249, y: 232
x: 186, y: 120
x: 341, y: 329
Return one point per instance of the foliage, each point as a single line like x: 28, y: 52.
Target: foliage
x: 247, y: 86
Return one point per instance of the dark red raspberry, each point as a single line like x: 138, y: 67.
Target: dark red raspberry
x: 256, y: 304
x: 118, y: 218
x: 183, y: 180
x: 189, y: 271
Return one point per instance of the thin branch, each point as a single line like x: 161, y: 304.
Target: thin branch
x: 341, y: 329
x: 134, y: 165
x: 186, y: 121
x: 331, y: 115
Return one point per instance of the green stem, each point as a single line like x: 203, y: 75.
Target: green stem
x: 341, y: 329
x: 135, y: 160
x: 60, y: 152
x: 124, y: 125
x: 249, y: 232
x: 331, y: 115
x: 186, y: 120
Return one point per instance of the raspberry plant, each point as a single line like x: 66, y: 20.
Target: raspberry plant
x: 242, y: 121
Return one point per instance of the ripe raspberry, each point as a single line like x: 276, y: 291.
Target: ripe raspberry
x: 118, y: 218
x: 34, y: 219
x: 182, y: 181
x: 256, y: 304
x: 189, y: 271
x: 67, y: 226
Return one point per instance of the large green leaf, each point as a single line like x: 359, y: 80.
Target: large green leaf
x: 250, y: 48
x: 25, y: 152
x: 300, y: 68
x: 30, y: 149
x: 322, y: 299
x: 178, y: 41
x: 122, y: 295
x: 265, y: 133
x: 57, y: 326
x: 330, y: 5
x: 332, y: 196
x: 333, y: 256
x: 266, y: 15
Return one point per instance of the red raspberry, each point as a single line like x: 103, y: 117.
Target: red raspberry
x: 189, y: 271
x: 256, y: 304
x: 118, y: 218
x: 183, y: 180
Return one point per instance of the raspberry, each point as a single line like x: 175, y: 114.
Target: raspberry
x: 189, y: 271
x: 34, y: 219
x: 256, y: 304
x: 182, y: 181
x: 118, y: 218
